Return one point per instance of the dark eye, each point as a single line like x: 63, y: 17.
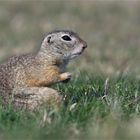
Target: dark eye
x: 66, y: 38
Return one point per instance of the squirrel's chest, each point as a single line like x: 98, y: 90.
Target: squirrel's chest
x: 41, y: 76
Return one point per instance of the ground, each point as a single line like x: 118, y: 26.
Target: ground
x: 102, y: 101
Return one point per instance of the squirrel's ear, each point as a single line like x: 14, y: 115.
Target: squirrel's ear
x: 49, y: 39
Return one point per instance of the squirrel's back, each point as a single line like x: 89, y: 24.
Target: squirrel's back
x: 10, y: 69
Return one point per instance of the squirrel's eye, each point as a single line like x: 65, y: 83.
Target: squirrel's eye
x: 66, y: 38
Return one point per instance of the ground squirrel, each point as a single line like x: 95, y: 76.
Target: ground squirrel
x: 26, y: 78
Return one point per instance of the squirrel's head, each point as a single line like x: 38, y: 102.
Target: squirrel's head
x: 64, y: 43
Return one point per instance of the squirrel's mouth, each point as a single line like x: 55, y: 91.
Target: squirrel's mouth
x: 77, y: 52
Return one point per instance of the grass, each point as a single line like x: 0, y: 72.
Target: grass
x: 102, y: 102
x: 94, y: 108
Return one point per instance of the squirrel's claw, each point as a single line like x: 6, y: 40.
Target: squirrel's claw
x: 65, y: 77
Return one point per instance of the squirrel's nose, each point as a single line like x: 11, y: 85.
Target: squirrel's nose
x: 84, y: 46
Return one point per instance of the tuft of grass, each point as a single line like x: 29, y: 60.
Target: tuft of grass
x: 93, y: 107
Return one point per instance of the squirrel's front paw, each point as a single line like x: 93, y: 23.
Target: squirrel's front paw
x: 65, y: 77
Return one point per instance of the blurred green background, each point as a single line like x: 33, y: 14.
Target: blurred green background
x: 111, y: 29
